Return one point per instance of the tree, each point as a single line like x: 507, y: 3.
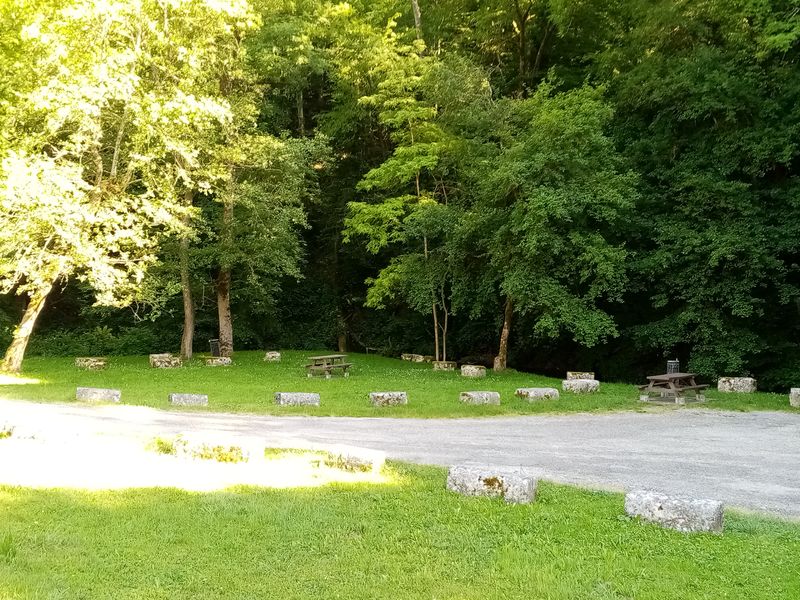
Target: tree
x: 707, y: 111
x: 96, y: 156
x: 547, y: 207
x: 420, y: 275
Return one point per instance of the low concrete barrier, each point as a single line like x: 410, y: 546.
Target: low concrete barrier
x: 580, y: 386
x: 177, y: 399
x: 533, y: 394
x: 512, y: 485
x: 296, y: 399
x: 473, y: 371
x: 675, y: 512
x: 88, y: 394
x: 744, y: 385
x: 388, y: 398
x: 480, y: 397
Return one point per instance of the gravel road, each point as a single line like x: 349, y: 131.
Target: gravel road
x: 747, y: 460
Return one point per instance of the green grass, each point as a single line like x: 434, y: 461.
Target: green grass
x: 250, y: 384
x: 406, y: 539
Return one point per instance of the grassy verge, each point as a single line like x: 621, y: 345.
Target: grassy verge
x: 250, y: 384
x: 406, y: 539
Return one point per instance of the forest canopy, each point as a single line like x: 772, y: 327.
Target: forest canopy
x: 541, y: 184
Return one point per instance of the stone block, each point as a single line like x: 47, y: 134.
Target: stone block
x: 188, y: 399
x: 91, y: 363
x: 794, y: 397
x: 349, y: 458
x: 427, y: 358
x: 745, y: 385
x: 219, y: 450
x: 272, y: 356
x: 580, y: 386
x: 513, y: 485
x: 533, y: 394
x: 480, y: 397
x: 296, y: 399
x: 88, y: 394
x: 473, y: 371
x: 444, y: 365
x: 675, y: 512
x: 388, y: 398
x: 219, y: 361
x: 165, y: 360
x: 413, y: 357
x: 580, y: 375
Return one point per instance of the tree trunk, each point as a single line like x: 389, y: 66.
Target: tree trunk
x: 224, y: 283
x: 12, y: 362
x: 436, y: 331
x: 301, y: 119
x: 224, y: 311
x: 187, y: 339
x: 500, y: 361
x: 342, y: 342
x: 417, y: 18
x: 444, y: 333
x: 522, y: 43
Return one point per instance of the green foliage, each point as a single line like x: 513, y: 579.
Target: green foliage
x: 102, y: 340
x: 626, y: 172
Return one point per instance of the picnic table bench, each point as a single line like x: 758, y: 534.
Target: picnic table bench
x: 672, y: 386
x: 327, y: 364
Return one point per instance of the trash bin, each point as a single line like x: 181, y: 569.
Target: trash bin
x: 214, y: 347
x: 673, y: 366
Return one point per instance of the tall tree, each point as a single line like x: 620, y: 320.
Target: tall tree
x: 95, y: 155
x: 548, y: 206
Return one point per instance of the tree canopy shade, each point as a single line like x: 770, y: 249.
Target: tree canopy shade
x: 543, y: 183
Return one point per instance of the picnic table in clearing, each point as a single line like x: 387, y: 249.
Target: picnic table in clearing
x: 327, y: 364
x: 673, y: 386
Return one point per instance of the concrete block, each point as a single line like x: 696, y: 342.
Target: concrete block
x: 580, y: 375
x: 675, y: 512
x: 513, y: 485
x: 296, y: 399
x: 350, y: 458
x: 165, y: 361
x: 88, y: 394
x: 533, y: 394
x: 272, y: 356
x: 794, y: 397
x: 580, y: 386
x: 219, y: 361
x: 444, y: 365
x: 744, y: 385
x: 480, y: 397
x: 91, y: 363
x: 188, y: 399
x: 473, y: 371
x: 388, y: 398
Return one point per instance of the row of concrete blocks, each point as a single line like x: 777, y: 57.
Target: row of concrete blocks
x: 348, y: 458
x: 89, y: 394
x: 517, y: 487
x: 157, y: 361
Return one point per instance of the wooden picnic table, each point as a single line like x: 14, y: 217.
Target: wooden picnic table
x: 327, y: 364
x: 672, y: 385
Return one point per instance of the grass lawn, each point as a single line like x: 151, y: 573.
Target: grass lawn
x: 249, y: 386
x: 406, y: 539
